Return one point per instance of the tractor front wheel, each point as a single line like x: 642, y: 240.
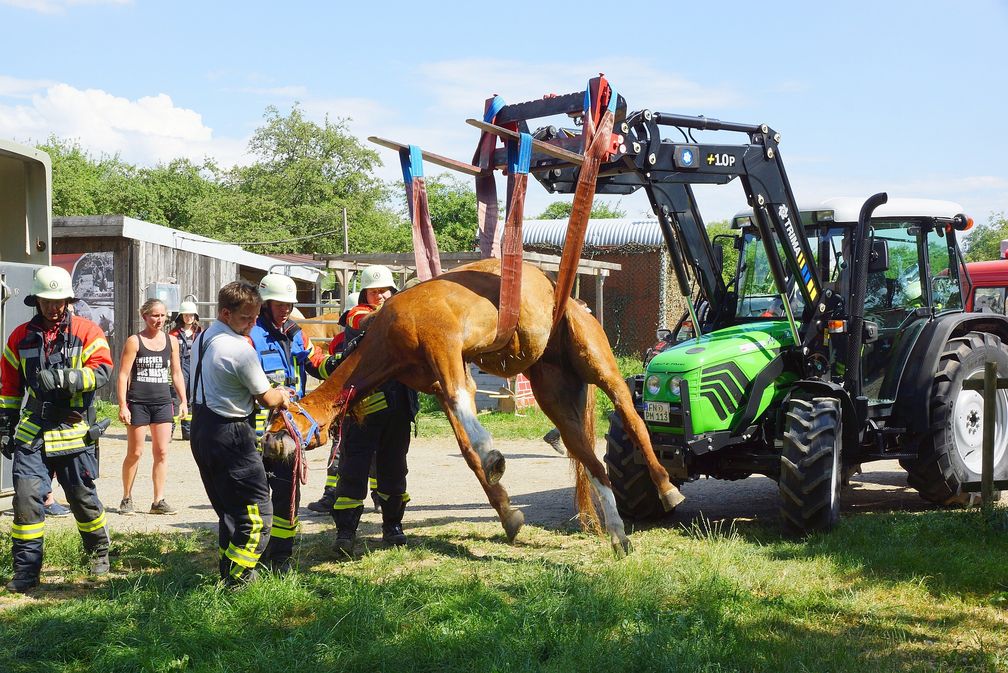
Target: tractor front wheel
x: 636, y: 496
x: 810, y: 465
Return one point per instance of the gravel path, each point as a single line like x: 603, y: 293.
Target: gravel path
x: 443, y: 489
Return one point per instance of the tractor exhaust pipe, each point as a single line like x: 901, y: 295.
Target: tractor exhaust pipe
x: 859, y: 286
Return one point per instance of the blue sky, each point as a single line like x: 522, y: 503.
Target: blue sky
x: 904, y: 97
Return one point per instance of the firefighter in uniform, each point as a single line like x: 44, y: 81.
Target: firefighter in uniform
x: 324, y: 505
x: 285, y: 355
x: 384, y: 431
x: 52, y: 365
x: 226, y: 382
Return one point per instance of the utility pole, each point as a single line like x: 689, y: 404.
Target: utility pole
x: 346, y: 242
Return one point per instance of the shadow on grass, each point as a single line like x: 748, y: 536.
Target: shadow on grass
x: 466, y: 613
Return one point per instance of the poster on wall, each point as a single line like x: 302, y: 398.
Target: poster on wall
x: 92, y: 274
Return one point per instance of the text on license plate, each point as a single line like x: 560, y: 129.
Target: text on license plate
x: 656, y: 411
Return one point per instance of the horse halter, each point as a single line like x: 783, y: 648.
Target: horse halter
x: 292, y: 428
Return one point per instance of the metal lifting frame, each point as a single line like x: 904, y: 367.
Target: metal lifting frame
x: 639, y: 157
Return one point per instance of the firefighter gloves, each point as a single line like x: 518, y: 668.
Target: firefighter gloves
x: 8, y: 423
x: 65, y: 381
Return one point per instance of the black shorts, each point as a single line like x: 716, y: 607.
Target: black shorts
x: 142, y: 413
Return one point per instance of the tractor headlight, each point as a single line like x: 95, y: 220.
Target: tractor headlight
x: 673, y: 385
x: 653, y: 384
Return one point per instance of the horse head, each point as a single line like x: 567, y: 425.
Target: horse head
x: 300, y: 426
x: 291, y: 429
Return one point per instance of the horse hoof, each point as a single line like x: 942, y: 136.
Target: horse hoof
x: 493, y: 466
x: 513, y: 521
x: 621, y: 547
x: 672, y: 499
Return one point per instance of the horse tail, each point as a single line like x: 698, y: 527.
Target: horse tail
x: 583, y: 491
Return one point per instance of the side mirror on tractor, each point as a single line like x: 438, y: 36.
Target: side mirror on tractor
x: 719, y: 256
x: 878, y: 262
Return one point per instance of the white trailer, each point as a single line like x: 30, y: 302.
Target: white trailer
x: 25, y: 240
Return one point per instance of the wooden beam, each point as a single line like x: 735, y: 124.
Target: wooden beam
x: 437, y: 159
x: 537, y: 145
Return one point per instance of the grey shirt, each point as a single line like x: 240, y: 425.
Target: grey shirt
x: 231, y: 374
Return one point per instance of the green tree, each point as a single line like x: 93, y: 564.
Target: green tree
x: 304, y: 175
x: 452, y: 205
x: 984, y: 242
x: 561, y: 210
x: 86, y: 185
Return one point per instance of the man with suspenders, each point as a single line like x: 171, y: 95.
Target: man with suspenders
x: 227, y: 381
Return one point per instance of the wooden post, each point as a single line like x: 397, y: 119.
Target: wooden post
x: 989, y: 419
x: 346, y: 241
x: 599, y: 302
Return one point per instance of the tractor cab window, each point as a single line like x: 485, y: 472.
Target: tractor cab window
x: 945, y: 286
x: 989, y: 299
x: 758, y: 297
x: 894, y: 293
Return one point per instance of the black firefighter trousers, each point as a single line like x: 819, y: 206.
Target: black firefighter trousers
x: 76, y: 474
x: 235, y: 481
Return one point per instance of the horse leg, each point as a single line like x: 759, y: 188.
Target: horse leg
x: 592, y: 357
x: 511, y: 519
x: 459, y: 400
x: 564, y: 398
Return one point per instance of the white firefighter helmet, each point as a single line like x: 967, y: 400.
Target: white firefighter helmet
x: 278, y: 288
x: 51, y: 282
x: 188, y: 307
x: 352, y: 300
x: 377, y: 275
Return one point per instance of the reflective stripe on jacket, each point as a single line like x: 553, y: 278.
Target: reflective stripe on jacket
x: 64, y: 421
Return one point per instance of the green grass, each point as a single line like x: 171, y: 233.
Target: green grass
x: 883, y: 592
x: 108, y: 410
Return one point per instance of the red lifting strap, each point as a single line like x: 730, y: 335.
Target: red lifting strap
x: 597, y: 146
x: 425, y: 247
x: 511, y: 264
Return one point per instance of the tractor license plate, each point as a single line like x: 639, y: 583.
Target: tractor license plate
x: 656, y: 411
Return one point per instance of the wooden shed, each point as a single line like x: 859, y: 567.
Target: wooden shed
x: 115, y: 260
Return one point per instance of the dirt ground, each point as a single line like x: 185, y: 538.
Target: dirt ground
x: 443, y: 489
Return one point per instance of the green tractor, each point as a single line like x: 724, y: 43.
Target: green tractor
x: 838, y: 338
x: 734, y: 400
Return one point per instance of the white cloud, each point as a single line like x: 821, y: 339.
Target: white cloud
x: 145, y: 131
x: 21, y: 88
x: 58, y: 6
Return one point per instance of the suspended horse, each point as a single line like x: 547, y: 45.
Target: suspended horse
x: 501, y: 314
x: 425, y: 335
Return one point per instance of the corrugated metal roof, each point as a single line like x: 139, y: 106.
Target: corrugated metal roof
x: 183, y: 240
x: 601, y: 234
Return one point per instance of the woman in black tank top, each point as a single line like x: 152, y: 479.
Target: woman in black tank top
x: 148, y: 369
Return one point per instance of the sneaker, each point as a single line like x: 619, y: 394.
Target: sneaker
x: 162, y: 507
x: 126, y: 506
x: 553, y: 439
x: 57, y: 510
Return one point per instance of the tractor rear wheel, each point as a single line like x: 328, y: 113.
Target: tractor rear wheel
x: 636, y: 496
x: 810, y: 465
x: 951, y: 454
